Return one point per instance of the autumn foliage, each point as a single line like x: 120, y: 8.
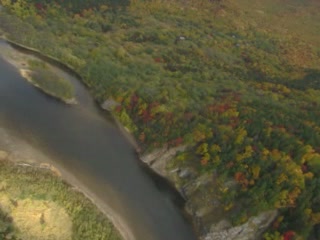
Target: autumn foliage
x: 239, y: 97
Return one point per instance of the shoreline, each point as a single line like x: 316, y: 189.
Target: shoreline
x: 26, y: 74
x: 69, y: 69
x: 123, y: 130
x: 40, y: 161
x: 20, y: 61
x: 22, y: 154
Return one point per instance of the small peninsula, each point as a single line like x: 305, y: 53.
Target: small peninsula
x: 41, y: 75
x: 221, y: 96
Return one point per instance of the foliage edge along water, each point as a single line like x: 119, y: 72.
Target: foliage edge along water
x: 237, y: 83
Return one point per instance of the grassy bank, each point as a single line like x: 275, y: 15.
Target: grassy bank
x: 44, y: 78
x: 40, y: 74
x: 220, y: 77
x: 36, y: 204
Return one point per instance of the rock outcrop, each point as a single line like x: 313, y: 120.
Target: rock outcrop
x: 251, y: 230
x: 159, y: 158
x: 109, y: 104
x: 201, y: 192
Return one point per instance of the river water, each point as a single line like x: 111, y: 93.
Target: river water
x: 92, y: 149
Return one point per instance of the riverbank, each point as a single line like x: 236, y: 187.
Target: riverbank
x: 215, y: 85
x: 20, y: 154
x: 157, y: 160
x: 21, y: 65
x: 193, y: 187
x: 40, y: 74
x: 125, y: 132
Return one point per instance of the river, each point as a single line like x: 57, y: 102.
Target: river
x: 87, y: 145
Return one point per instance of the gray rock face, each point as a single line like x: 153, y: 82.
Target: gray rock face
x: 109, y: 104
x: 158, y: 159
x: 185, y: 173
x: 251, y: 230
x: 221, y: 226
x: 202, y: 200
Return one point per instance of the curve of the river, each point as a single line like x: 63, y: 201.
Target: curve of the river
x: 95, y: 152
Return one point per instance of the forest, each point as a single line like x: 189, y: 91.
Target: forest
x: 240, y: 88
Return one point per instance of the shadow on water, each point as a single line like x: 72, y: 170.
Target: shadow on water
x: 164, y: 185
x: 167, y: 187
x: 52, y: 61
x: 93, y: 150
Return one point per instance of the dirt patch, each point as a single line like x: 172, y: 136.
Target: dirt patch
x: 37, y: 219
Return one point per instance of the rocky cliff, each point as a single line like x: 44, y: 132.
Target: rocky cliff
x: 202, y: 200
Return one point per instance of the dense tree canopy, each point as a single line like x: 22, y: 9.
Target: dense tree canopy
x: 244, y: 97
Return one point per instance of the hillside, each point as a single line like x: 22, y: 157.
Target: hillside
x: 236, y: 83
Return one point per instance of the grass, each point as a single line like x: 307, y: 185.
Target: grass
x: 37, y: 205
x: 37, y: 219
x: 44, y: 78
x: 244, y: 77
